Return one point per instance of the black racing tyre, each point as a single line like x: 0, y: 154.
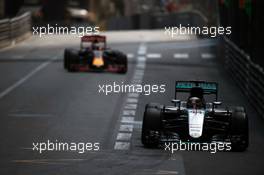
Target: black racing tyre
x: 239, y: 130
x: 123, y: 61
x: 73, y: 58
x: 153, y: 105
x: 66, y: 58
x: 151, y: 127
x: 114, y: 57
x: 119, y: 58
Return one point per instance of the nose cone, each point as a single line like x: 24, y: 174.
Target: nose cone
x: 196, y: 120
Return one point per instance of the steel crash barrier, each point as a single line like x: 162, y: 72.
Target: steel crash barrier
x: 158, y: 21
x: 248, y: 75
x: 15, y: 29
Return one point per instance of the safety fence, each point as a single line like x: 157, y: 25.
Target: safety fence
x: 248, y: 75
x: 157, y: 21
x: 14, y: 29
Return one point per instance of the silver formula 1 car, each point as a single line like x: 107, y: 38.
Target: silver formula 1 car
x: 195, y: 120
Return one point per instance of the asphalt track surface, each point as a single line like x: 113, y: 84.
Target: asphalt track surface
x: 40, y: 101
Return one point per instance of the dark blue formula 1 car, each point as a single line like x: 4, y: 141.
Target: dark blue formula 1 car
x: 95, y: 56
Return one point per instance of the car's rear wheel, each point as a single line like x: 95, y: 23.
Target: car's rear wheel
x: 123, y: 63
x: 66, y: 58
x: 71, y: 57
x: 151, y: 126
x: 153, y: 105
x: 239, y: 130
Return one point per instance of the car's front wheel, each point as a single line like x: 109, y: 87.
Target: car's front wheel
x: 151, y: 126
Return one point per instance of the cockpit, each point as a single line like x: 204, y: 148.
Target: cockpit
x: 196, y: 99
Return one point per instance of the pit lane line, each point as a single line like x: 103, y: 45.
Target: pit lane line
x: 25, y: 78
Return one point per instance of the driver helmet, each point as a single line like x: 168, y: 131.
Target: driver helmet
x: 195, y: 103
x: 95, y: 45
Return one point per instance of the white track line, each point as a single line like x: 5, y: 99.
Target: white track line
x: 126, y: 128
x: 136, y: 81
x: 134, y: 122
x: 133, y: 95
x: 132, y: 100
x: 127, y: 119
x: 124, y: 136
x: 129, y: 110
x: 131, y: 106
x: 47, y: 161
x: 138, y: 77
x: 17, y: 57
x: 30, y: 115
x: 181, y: 56
x: 154, y: 55
x: 25, y: 78
x: 139, y: 72
x: 26, y: 148
x: 166, y: 172
x: 122, y: 146
x: 130, y: 55
x: 141, y: 66
x: 142, y: 49
x: 207, y: 56
x: 141, y: 59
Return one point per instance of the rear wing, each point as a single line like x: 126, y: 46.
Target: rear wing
x: 93, y: 39
x: 186, y: 86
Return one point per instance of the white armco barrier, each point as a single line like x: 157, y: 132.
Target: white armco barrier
x: 14, y: 29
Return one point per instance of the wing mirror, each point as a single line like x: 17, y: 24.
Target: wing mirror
x: 215, y: 104
x: 176, y: 102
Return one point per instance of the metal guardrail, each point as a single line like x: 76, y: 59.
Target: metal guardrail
x: 14, y: 29
x: 158, y: 20
x: 248, y: 75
